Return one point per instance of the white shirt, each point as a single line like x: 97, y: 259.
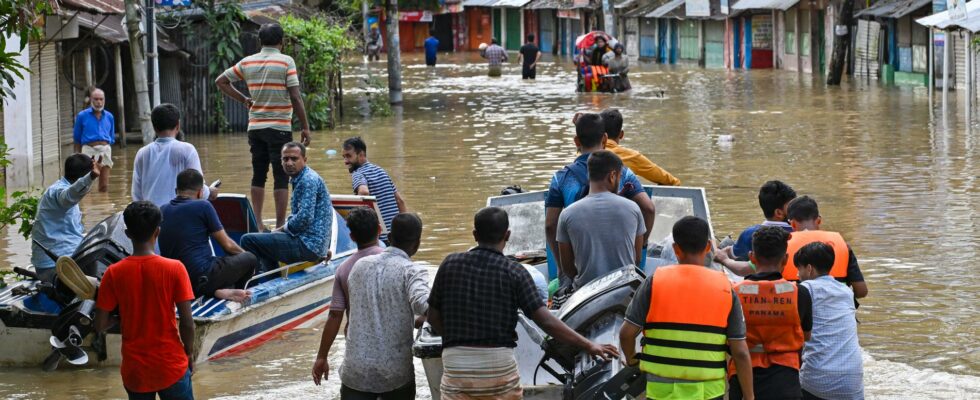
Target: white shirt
x: 156, y: 167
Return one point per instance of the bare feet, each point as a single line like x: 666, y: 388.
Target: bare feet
x: 236, y: 295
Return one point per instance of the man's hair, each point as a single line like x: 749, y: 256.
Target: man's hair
x: 363, y: 224
x: 76, y: 166
x: 613, y: 121
x: 142, y: 218
x: 357, y: 144
x: 432, y: 32
x: 189, y: 179
x: 165, y: 117
x: 602, y: 163
x: 692, y: 234
x: 490, y: 225
x: 270, y: 34
x: 494, y: 41
x: 406, y: 229
x: 773, y: 195
x: 803, y: 209
x: 530, y: 37
x: 589, y: 130
x: 769, y: 243
x: 295, y: 145
x: 818, y: 254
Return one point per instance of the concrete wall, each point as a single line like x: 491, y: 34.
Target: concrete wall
x: 17, y: 124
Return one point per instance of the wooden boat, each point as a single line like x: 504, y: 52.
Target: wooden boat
x: 286, y: 298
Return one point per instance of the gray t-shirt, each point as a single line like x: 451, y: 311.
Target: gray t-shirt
x: 602, y: 229
x: 385, y: 293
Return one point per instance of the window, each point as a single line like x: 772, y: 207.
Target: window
x: 790, y: 31
x: 805, y: 30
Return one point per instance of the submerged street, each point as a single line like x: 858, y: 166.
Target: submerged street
x: 896, y: 179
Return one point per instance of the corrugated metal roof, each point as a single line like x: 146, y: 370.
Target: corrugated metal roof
x: 943, y: 21
x: 620, y: 4
x: 641, y: 11
x: 95, y: 6
x: 892, y: 9
x: 112, y: 28
x: 510, y: 3
x: 544, y: 5
x: 666, y: 8
x: 764, y: 4
x: 478, y: 3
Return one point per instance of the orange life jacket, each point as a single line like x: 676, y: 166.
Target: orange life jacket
x: 802, y: 238
x: 772, y: 323
x: 685, y: 332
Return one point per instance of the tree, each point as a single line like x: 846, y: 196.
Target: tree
x: 17, y: 18
x: 841, y: 42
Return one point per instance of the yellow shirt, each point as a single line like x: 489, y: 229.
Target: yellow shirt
x: 642, y: 166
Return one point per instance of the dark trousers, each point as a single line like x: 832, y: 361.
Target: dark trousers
x: 229, y: 272
x: 182, y: 390
x: 275, y: 247
x: 406, y: 392
x: 528, y: 72
x: 777, y: 382
x: 266, y: 148
x: 809, y: 396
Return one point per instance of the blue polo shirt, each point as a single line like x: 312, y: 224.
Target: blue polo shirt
x: 431, y: 47
x: 743, y: 245
x: 90, y: 129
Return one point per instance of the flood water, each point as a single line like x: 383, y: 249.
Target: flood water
x: 898, y: 180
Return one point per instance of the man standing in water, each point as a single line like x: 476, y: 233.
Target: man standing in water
x: 431, y: 49
x: 94, y: 134
x: 496, y: 56
x: 368, y: 179
x: 387, y: 292
x: 274, y: 86
x: 474, y: 304
x: 530, y: 55
x: 157, y: 354
x: 157, y: 164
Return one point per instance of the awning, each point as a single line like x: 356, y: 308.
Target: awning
x: 942, y: 20
x: 640, y: 11
x: 764, y: 4
x: 95, y: 6
x: 510, y: 3
x: 543, y: 5
x: 478, y: 3
x: 892, y: 9
x: 624, y: 4
x: 112, y: 28
x: 661, y: 11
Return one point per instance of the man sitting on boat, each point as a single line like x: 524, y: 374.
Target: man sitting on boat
x: 473, y: 305
x: 189, y: 224
x: 58, y: 226
x: 571, y: 184
x: 589, y: 250
x: 306, y: 233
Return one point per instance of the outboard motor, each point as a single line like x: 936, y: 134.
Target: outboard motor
x: 596, y: 311
x: 74, y: 323
x: 105, y: 244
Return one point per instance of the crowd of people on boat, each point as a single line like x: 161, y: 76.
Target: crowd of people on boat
x: 787, y: 331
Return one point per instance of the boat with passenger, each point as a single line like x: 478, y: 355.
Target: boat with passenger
x: 47, y: 325
x: 549, y: 369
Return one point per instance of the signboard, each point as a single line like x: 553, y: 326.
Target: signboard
x: 570, y: 14
x: 173, y: 3
x: 957, y: 9
x: 697, y: 8
x: 415, y: 16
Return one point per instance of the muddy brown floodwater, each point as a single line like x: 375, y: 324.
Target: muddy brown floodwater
x: 899, y: 180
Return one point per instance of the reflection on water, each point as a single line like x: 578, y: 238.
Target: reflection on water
x: 900, y: 188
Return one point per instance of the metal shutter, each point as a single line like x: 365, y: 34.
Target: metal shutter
x: 866, y: 49
x: 44, y: 104
x: 959, y: 58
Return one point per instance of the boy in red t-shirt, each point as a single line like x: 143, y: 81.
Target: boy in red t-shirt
x: 145, y: 288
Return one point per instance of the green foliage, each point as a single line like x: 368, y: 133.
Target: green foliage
x: 224, y: 23
x: 318, y: 46
x: 377, y: 96
x: 17, y: 17
x: 23, y: 205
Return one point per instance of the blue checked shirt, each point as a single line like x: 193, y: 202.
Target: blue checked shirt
x: 312, y: 211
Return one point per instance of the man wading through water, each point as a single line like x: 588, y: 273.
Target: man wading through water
x: 274, y: 86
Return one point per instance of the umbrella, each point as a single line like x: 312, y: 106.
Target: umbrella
x: 588, y: 39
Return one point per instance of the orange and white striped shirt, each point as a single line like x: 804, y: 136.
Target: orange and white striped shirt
x: 268, y: 74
